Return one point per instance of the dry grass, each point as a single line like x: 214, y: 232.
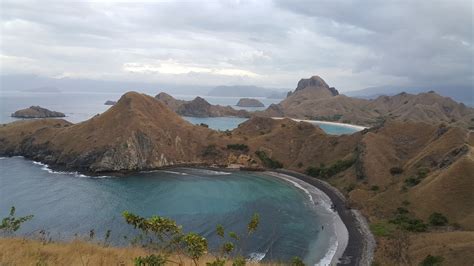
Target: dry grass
x: 18, y: 251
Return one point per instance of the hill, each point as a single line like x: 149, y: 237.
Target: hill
x: 36, y: 112
x: 398, y: 174
x: 314, y: 99
x: 199, y: 107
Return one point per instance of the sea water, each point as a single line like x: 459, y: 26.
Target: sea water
x: 69, y: 205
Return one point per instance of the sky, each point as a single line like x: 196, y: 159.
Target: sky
x: 350, y: 44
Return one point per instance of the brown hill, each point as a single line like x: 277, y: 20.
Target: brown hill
x: 36, y: 112
x: 423, y: 168
x: 249, y: 102
x: 199, y: 107
x: 314, y: 99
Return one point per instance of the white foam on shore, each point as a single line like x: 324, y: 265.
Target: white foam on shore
x: 45, y: 167
x: 256, y: 256
x: 338, y: 242
x: 173, y: 172
x: 356, y: 127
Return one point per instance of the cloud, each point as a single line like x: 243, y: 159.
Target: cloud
x: 351, y: 44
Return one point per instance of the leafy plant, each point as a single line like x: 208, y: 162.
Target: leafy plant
x: 238, y: 147
x: 405, y: 221
x: 432, y: 261
x: 267, y: 161
x: 326, y: 172
x: 11, y: 224
x: 296, y: 261
x: 151, y: 260
x: 438, y: 219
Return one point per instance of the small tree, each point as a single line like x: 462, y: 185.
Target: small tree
x: 11, y: 223
x: 432, y: 261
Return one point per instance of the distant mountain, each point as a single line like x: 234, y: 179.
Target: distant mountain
x: 460, y: 94
x: 246, y: 91
x: 314, y: 99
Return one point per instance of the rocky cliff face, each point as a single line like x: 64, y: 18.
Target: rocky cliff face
x: 199, y: 107
x: 249, y: 102
x: 36, y: 112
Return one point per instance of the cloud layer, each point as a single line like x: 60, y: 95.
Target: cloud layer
x: 351, y: 44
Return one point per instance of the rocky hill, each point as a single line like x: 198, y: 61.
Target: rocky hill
x: 398, y: 174
x: 249, y: 102
x: 36, y: 112
x: 314, y: 99
x: 199, y: 107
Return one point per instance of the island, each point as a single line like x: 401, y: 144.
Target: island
x: 36, y: 112
x: 249, y: 102
x: 109, y: 102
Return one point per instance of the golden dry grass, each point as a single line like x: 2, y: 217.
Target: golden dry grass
x: 18, y: 251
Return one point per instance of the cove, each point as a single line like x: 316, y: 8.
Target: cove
x: 69, y: 204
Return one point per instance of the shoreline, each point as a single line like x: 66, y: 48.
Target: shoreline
x: 358, y: 127
x: 361, y: 243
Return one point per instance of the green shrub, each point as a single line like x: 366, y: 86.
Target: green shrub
x: 405, y: 221
x: 326, y: 172
x: 296, y: 261
x: 374, y: 188
x: 396, y: 170
x: 238, y: 147
x: 432, y: 261
x: 438, y: 219
x: 11, y: 224
x: 151, y: 260
x: 412, y: 181
x: 267, y: 161
x: 382, y: 229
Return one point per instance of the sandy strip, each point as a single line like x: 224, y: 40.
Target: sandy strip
x: 323, y: 203
x: 359, y: 249
x: 357, y: 127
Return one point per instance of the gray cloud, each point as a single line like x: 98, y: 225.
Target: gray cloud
x: 352, y: 44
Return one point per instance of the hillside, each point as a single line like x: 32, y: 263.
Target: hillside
x: 417, y: 168
x: 36, y: 112
x: 198, y: 107
x: 314, y: 99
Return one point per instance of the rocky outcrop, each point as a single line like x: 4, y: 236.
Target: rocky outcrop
x: 109, y: 102
x: 314, y: 99
x: 36, y: 112
x: 249, y: 102
x: 199, y: 107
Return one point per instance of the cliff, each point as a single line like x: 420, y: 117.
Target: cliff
x: 36, y: 112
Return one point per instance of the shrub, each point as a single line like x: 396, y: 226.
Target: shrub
x: 267, y: 161
x: 412, y: 181
x: 396, y: 170
x: 438, y: 219
x: 374, y: 188
x: 405, y: 221
x: 204, y: 125
x: 296, y: 261
x: 382, y: 229
x: 326, y: 172
x: 238, y: 147
x: 432, y: 261
x: 11, y: 224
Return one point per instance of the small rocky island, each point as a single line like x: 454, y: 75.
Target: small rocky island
x: 36, y: 112
x: 109, y: 102
x: 249, y: 102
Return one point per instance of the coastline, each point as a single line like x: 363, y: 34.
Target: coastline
x: 357, y: 127
x: 360, y: 246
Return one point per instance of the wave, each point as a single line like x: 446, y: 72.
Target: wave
x: 327, y: 259
x: 256, y: 256
x: 211, y: 172
x: 173, y: 172
x: 45, y: 167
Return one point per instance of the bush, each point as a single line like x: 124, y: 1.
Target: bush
x: 412, y: 181
x: 438, y: 219
x: 432, y: 261
x: 238, y: 147
x: 405, y: 221
x: 326, y: 172
x: 11, y: 224
x: 396, y: 170
x: 382, y: 229
x: 267, y: 161
x: 374, y: 188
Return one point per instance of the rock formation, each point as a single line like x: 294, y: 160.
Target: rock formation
x: 109, y: 102
x: 249, y: 102
x: 199, y: 107
x: 36, y: 112
x: 314, y: 99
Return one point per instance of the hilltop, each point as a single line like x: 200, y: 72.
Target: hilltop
x: 397, y: 169
x: 314, y: 99
x: 198, y: 107
x: 36, y: 112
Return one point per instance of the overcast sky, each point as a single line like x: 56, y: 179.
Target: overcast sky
x: 350, y: 44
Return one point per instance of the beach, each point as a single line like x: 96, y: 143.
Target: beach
x: 355, y: 242
x: 356, y: 127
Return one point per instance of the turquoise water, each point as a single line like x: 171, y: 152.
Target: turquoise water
x: 69, y: 204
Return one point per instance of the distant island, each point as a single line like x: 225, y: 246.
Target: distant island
x: 246, y: 91
x: 36, y: 112
x: 249, y: 102
x: 109, y: 102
